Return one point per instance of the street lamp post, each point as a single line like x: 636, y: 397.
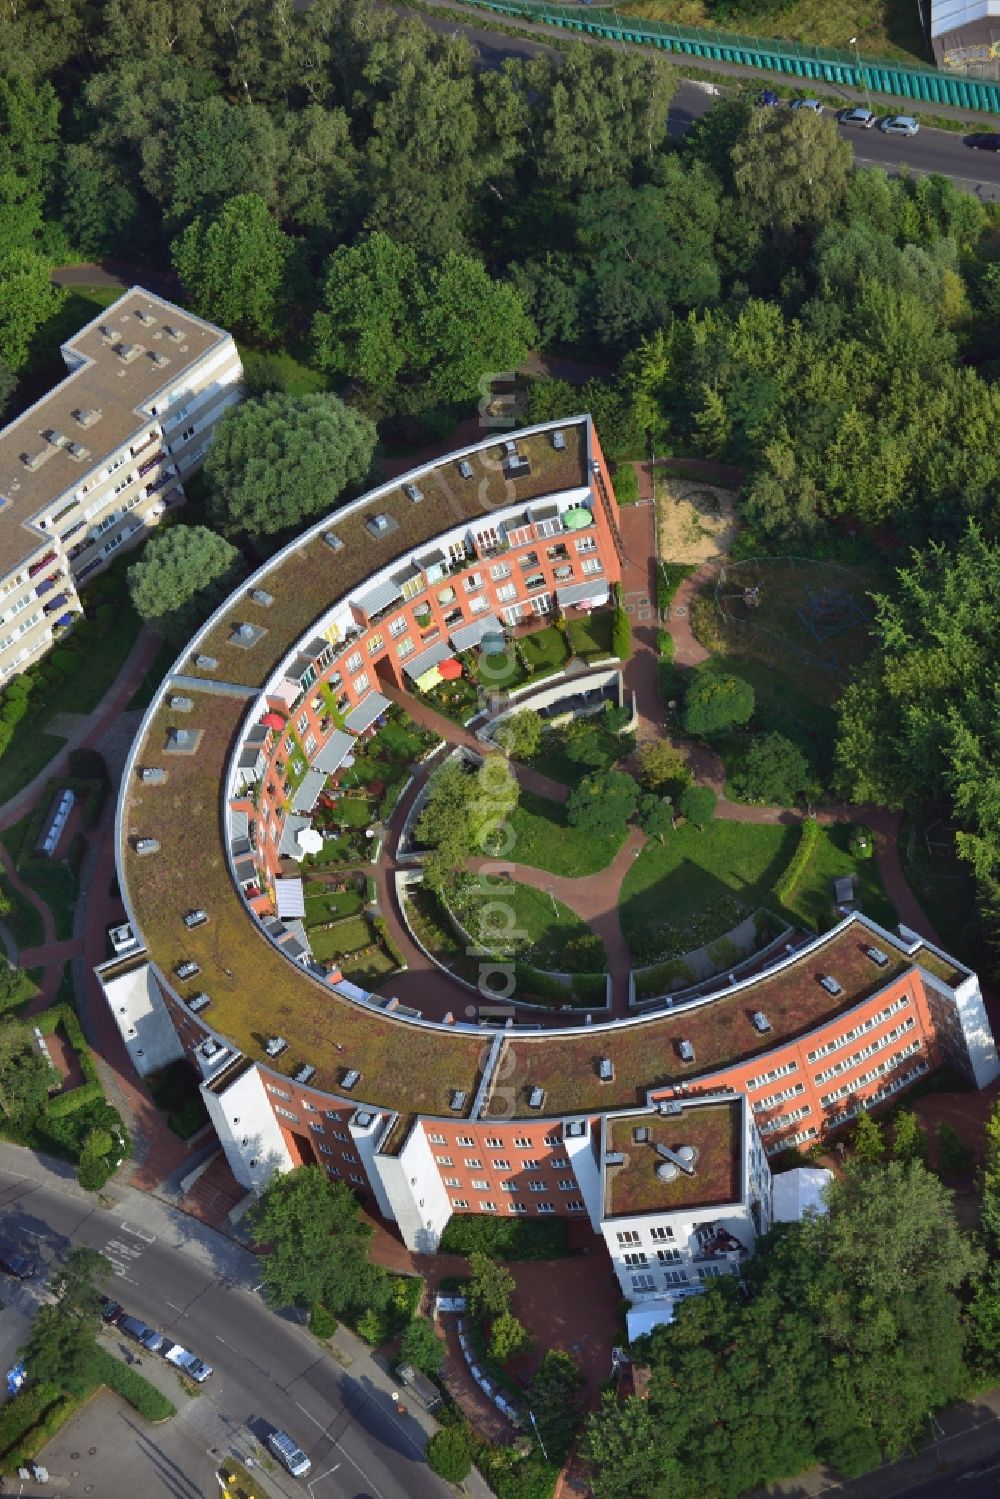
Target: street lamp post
x: 538, y: 1434
x: 861, y: 71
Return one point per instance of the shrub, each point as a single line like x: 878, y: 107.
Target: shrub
x: 621, y: 634
x: 717, y: 701
x: 669, y: 577
x: 773, y: 771
x: 584, y: 954
x: 697, y: 804
x: 862, y: 844
x: 626, y: 483
x: 590, y: 988
x: 449, y: 1453
x: 506, y: 1238
x: 94, y: 1170
x: 322, y: 1322
x: 133, y: 1387
x: 77, y: 1098
x: 954, y: 1156
x: 786, y: 886
x: 422, y: 1347
x: 508, y: 1337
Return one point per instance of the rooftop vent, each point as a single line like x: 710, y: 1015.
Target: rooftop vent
x: 465, y: 468
x: 640, y: 1136
x: 333, y: 541
x: 275, y: 1045
x: 157, y: 357
x: 144, y: 846
x: 457, y: 1101
x: 350, y: 1079
x: 86, y: 416
x: 669, y: 1107
x: 261, y: 597
x: 829, y: 983
x: 363, y: 1119
x: 77, y: 451
x: 760, y: 1022
x: 199, y: 1002
x: 675, y: 1161
x: 209, y: 1047
x: 510, y: 448
x: 559, y: 441
x: 188, y: 969
x: 573, y: 1129
x: 195, y: 918
x: 181, y: 704
x: 413, y: 492
x: 380, y: 525
x: 878, y: 956
x: 305, y: 1074
x: 172, y: 332
x: 127, y: 352
x: 606, y: 1070
x: 106, y: 331
x: 206, y: 663
x: 152, y: 775
x: 685, y: 1051
x: 145, y: 318
x: 34, y: 461
x: 536, y: 1098
x: 54, y: 439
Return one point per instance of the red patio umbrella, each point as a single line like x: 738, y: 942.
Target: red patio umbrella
x: 273, y: 721
x: 450, y: 670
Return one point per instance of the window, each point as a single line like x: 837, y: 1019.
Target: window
x: 459, y: 1202
x: 325, y: 1150
x: 405, y: 648
x: 530, y: 559
x: 566, y: 1184
x: 285, y: 1113
x: 493, y: 1142
x: 333, y: 1170
x: 310, y: 744
x: 350, y: 1157
x: 187, y: 434
x: 519, y: 536
x: 536, y: 581
x: 522, y: 1142
x: 124, y: 483
x: 115, y: 463
x: 278, y: 1092
x: 574, y: 1205
x: 541, y: 604
x: 353, y: 662
x: 435, y: 1139
x: 358, y: 1180
x: 558, y: 1162
x: 592, y: 566
x: 546, y: 1207
x: 472, y: 1164
x: 643, y: 1282
x: 502, y: 570
x: 499, y: 1165
x: 316, y: 1127
x: 452, y: 1181
x: 444, y: 1160
x: 375, y: 643
x: 661, y: 1233
x: 550, y: 527
x: 510, y: 1186
x: 668, y: 1256
x: 361, y: 683
x: 536, y: 1186
x: 302, y: 722
x: 472, y: 582
x: 457, y: 551
x: 486, y: 538
x: 517, y: 1207
x: 676, y: 1277
x: 628, y: 1236
x: 465, y: 1140
x: 480, y: 1184
x: 478, y: 604
x: 636, y: 1258
x: 552, y: 1140
x: 528, y: 1165
x: 709, y: 1272
x: 397, y: 626
x: 487, y: 1207
x: 340, y: 1134
x: 586, y: 544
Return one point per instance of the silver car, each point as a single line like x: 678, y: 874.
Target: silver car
x: 812, y: 104
x: 899, y: 125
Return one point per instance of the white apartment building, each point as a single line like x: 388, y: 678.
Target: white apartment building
x: 96, y: 462
x: 686, y: 1193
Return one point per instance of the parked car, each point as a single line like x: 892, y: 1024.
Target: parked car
x: 151, y: 1340
x: 188, y: 1363
x: 768, y: 98
x: 111, y: 1311
x: 286, y: 1451
x: 899, y: 125
x: 865, y: 118
x: 13, y: 1262
x: 812, y: 104
x: 988, y: 140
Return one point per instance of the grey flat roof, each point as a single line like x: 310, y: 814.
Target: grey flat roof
x: 290, y: 834
x: 364, y: 715
x: 334, y: 752
x: 239, y: 824
x: 471, y: 635
x: 579, y: 593
x: 308, y: 790
x: 380, y: 597
x: 432, y: 656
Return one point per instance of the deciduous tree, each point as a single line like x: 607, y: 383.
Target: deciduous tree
x: 716, y: 701
x: 182, y: 573
x: 602, y: 803
x: 27, y: 299
x: 233, y: 266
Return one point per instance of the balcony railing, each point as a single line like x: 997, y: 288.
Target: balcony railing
x: 158, y: 483
x: 151, y: 463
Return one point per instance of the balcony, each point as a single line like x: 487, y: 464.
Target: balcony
x: 146, y: 443
x: 157, y: 484
x: 151, y: 463
x: 36, y: 567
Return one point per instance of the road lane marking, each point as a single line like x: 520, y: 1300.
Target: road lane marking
x: 147, y: 1238
x: 370, y: 1481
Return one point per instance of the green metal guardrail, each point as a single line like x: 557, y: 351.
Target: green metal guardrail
x: 828, y: 64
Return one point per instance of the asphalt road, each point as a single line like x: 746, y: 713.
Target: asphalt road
x: 941, y: 151
x: 268, y: 1372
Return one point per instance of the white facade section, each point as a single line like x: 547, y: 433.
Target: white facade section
x: 415, y: 1192
x: 248, y: 1130
x: 951, y: 15
x: 142, y: 1018
x: 578, y: 1145
x: 367, y: 1128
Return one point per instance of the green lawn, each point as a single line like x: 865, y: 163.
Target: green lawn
x: 346, y: 937
x: 781, y: 707
x: 544, y: 839
x: 695, y: 886
x: 326, y: 905
x: 355, y: 812
x: 590, y: 634
x: 516, y: 920
x: 281, y: 371
x: 369, y: 970
x: 544, y: 651
x: 811, y: 903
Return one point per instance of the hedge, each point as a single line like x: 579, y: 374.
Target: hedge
x: 397, y: 957
x: 669, y: 577
x: 506, y: 1238
x: 651, y: 982
x: 77, y: 1098
x: 626, y: 482
x: 30, y: 1420
x: 140, y: 1394
x: 51, y: 1019
x: 785, y: 887
x: 621, y: 634
x: 592, y: 988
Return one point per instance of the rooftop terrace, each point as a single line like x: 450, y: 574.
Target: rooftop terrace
x: 715, y: 1131
x: 646, y: 1055
x: 98, y: 406
x: 307, y: 582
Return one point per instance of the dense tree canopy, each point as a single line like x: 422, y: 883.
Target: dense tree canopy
x: 233, y: 266
x: 182, y: 574
x: 279, y: 460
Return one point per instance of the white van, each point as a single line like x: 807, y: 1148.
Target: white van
x: 286, y: 1451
